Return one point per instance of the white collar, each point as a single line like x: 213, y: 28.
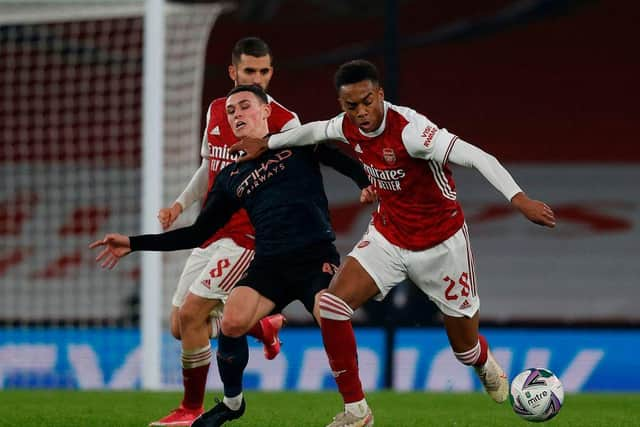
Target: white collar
x: 382, y: 126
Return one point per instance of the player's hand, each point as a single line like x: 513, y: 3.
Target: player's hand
x: 535, y: 210
x: 252, y: 147
x: 116, y: 246
x: 368, y: 195
x: 167, y: 216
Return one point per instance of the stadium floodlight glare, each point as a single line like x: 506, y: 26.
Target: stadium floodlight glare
x: 101, y: 113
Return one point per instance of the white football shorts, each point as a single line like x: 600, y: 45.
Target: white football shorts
x: 212, y: 272
x: 445, y: 272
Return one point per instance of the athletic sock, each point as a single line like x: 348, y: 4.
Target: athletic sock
x: 484, y: 351
x: 195, y: 367
x: 234, y: 402
x: 232, y: 356
x: 476, y: 356
x: 340, y: 345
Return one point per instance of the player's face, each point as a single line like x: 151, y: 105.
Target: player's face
x: 252, y: 70
x: 247, y: 115
x: 363, y: 103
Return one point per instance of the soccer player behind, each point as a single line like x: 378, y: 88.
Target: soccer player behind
x: 418, y: 231
x: 213, y: 269
x: 295, y: 257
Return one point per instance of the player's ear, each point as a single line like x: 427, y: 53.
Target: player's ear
x: 267, y: 110
x: 233, y: 73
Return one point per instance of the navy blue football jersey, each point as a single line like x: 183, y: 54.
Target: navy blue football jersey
x: 283, y: 193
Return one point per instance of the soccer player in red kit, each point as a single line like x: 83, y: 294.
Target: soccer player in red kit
x: 418, y: 231
x: 212, y: 270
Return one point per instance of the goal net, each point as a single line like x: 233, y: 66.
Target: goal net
x: 71, y: 77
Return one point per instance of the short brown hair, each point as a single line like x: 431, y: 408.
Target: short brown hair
x: 252, y: 46
x: 255, y: 89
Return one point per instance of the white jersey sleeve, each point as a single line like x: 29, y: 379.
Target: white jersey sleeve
x: 309, y: 134
x: 424, y: 140
x: 204, y: 148
x: 197, y: 187
x: 468, y: 155
x: 334, y: 129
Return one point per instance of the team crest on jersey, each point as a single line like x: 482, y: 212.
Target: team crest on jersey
x: 389, y: 155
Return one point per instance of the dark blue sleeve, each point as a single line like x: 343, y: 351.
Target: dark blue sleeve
x: 219, y: 207
x: 329, y: 155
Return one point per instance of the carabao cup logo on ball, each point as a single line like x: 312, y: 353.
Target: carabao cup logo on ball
x: 536, y: 394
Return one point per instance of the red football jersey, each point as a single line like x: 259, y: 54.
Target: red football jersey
x: 217, y: 139
x: 406, y: 160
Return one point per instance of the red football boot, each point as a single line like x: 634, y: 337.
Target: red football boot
x: 271, y: 325
x: 178, y: 417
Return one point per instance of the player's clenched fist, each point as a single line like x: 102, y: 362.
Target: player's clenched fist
x: 116, y: 246
x: 167, y: 216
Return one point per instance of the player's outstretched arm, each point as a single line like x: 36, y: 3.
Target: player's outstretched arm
x: 115, y: 246
x: 307, y: 134
x: 215, y: 214
x: 465, y: 154
x: 217, y: 211
x: 534, y: 210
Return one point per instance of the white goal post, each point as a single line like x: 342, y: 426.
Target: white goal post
x: 101, y: 115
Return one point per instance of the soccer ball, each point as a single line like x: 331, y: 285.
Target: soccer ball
x: 536, y: 394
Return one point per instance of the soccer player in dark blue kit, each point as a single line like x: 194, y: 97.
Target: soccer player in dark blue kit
x: 282, y: 191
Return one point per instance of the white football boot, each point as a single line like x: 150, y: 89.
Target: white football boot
x: 494, y: 379
x: 347, y: 419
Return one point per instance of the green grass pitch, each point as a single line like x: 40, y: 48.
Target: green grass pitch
x: 295, y: 409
